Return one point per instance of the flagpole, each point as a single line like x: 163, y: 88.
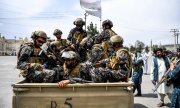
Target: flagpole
x: 100, y: 25
x: 100, y: 19
x: 86, y: 14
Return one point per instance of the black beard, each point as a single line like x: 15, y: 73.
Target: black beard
x: 71, y: 66
x: 159, y: 56
x: 36, y: 46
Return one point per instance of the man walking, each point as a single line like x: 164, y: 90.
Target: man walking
x: 159, y: 67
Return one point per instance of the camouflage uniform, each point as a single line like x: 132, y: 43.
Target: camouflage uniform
x: 85, y: 47
x: 86, y: 71
x: 106, y: 34
x: 119, y: 57
x: 59, y: 43
x: 77, y: 34
x: 31, y: 63
x: 97, y: 73
x: 70, y: 68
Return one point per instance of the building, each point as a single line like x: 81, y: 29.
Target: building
x: 171, y: 47
x: 9, y: 46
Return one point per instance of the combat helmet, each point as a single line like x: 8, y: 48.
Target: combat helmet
x: 57, y: 31
x: 116, y: 39
x: 39, y: 34
x: 107, y: 22
x: 79, y: 21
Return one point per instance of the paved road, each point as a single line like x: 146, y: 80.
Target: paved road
x: 148, y: 99
x: 9, y: 75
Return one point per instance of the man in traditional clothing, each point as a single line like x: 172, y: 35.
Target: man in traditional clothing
x: 159, y: 67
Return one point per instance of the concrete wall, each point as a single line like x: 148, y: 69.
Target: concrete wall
x: 9, y: 46
x: 171, y: 47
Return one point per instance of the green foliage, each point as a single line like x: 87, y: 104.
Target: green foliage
x: 154, y: 47
x: 139, y: 45
x: 92, y: 30
x: 132, y: 48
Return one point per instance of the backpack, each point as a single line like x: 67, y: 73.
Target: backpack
x: 21, y: 47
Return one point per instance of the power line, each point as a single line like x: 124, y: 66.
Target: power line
x: 13, y: 9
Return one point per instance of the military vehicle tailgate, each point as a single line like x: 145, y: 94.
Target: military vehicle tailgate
x: 87, y: 95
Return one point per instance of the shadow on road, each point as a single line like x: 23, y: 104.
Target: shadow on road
x: 168, y: 105
x: 139, y: 106
x: 150, y: 95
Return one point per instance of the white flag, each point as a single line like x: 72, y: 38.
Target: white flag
x: 94, y: 13
x: 92, y: 7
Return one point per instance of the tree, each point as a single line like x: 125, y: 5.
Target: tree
x: 139, y: 45
x: 132, y: 48
x: 92, y: 30
x: 154, y: 47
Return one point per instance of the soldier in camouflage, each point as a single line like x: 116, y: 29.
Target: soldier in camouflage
x: 92, y: 71
x: 119, y: 58
x: 70, y: 68
x: 86, y: 71
x: 58, y: 45
x: 77, y: 34
x: 89, y: 69
x: 106, y: 34
x: 31, y: 63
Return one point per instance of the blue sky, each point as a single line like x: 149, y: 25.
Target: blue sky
x: 133, y: 19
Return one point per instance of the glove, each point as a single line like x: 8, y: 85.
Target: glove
x: 36, y: 66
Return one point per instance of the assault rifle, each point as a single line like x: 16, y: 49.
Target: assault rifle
x: 45, y: 48
x: 164, y: 77
x: 80, y: 80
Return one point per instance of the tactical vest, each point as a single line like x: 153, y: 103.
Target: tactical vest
x: 71, y: 72
x: 77, y: 37
x: 128, y: 61
x: 22, y: 46
x: 59, y: 43
x: 107, y: 33
x: 35, y: 58
x: 111, y: 32
x: 114, y: 63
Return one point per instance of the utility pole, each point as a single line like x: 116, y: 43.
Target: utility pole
x: 151, y: 44
x: 177, y: 34
x: 175, y: 31
x: 15, y: 46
